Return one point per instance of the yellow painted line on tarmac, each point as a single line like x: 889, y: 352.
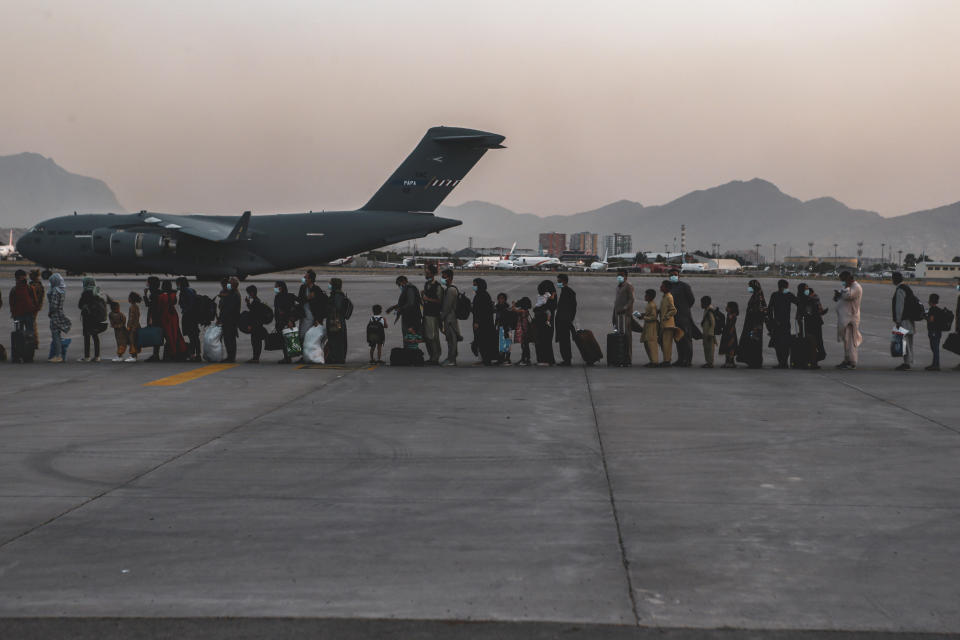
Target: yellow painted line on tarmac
x: 187, y: 376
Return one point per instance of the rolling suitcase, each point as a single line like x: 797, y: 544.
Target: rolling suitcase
x: 149, y: 337
x: 618, y: 347
x: 21, y: 344
x: 588, y: 346
x: 803, y: 351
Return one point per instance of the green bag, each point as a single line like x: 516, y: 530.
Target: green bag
x: 292, y: 347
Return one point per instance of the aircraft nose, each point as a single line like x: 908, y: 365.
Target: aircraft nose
x: 24, y: 243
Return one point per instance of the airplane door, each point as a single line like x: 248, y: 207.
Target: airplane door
x: 138, y: 246
x: 101, y: 241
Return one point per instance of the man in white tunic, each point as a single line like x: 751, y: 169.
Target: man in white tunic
x: 848, y: 319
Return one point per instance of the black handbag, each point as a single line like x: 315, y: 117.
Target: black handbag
x: 952, y: 343
x: 274, y: 342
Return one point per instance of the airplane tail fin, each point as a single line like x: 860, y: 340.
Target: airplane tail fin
x: 435, y: 167
x: 512, y: 249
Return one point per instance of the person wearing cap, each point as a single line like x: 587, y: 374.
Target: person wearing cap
x: 684, y: 300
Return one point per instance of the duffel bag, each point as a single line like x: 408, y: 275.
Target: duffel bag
x: 213, y: 350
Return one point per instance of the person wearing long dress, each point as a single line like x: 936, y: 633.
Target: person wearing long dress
x: 484, y: 331
x: 728, y: 341
x: 543, y: 312
x: 336, y: 323
x: 750, y: 350
x: 810, y: 319
x: 175, y: 348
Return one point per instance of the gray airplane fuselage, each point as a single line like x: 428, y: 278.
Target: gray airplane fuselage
x: 109, y: 243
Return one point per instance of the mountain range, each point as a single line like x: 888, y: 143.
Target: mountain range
x: 737, y: 215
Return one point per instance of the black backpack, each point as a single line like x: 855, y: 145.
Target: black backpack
x: 464, y: 307
x: 347, y: 308
x: 943, y: 319
x: 720, y: 322
x: 204, y: 310
x: 912, y: 307
x: 375, y: 332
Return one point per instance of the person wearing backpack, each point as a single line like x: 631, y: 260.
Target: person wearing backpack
x: 408, y: 306
x: 938, y: 321
x: 339, y: 310
x: 150, y: 295
x: 432, y: 297
x: 708, y: 325
x: 93, y: 314
x: 23, y: 309
x: 449, y: 318
x: 286, y: 312
x: 189, y: 318
x: 904, y: 309
x: 229, y: 320
x: 260, y: 315
x: 376, y: 334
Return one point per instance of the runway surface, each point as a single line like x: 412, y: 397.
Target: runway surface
x: 540, y: 502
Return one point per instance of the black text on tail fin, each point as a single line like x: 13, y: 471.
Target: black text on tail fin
x: 435, y: 167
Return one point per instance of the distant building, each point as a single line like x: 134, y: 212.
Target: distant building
x: 585, y: 242
x: 617, y: 243
x: 938, y: 270
x: 724, y: 265
x: 803, y: 261
x: 553, y: 244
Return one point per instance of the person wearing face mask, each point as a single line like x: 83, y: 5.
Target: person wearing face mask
x: 187, y: 301
x: 449, y: 323
x: 623, y: 310
x: 848, y: 301
x: 230, y: 304
x: 810, y: 321
x: 544, y: 310
x: 904, y: 308
x: 286, y: 312
x: 684, y: 300
x: 566, y: 313
x: 260, y: 315
x: 781, y: 320
x: 750, y: 349
x: 484, y: 331
x: 408, y: 307
x: 338, y: 312
x: 313, y: 303
x: 432, y: 297
x: 668, y: 322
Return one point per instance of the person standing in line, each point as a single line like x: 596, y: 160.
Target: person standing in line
x: 175, y: 349
x: 810, y: 319
x: 260, y: 315
x: 150, y: 295
x: 133, y: 325
x: 956, y: 318
x: 93, y: 316
x: 376, y: 334
x: 483, y: 323
x: 432, y: 297
x: 566, y: 314
x: 750, y: 351
x: 338, y: 310
x: 408, y: 307
x: 544, y: 311
x: 59, y: 323
x: 651, y: 328
x: 314, y: 303
x: 934, y: 329
x: 521, y: 331
x: 684, y: 300
x: 848, y: 319
x: 668, y: 322
x: 708, y: 326
x: 449, y: 324
x: 36, y: 286
x: 623, y: 308
x: 728, y: 341
x: 781, y: 320
x: 23, y: 308
x: 901, y: 295
x: 229, y: 320
x: 121, y: 336
x: 187, y: 301
x: 286, y: 312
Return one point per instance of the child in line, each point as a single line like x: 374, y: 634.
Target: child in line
x: 412, y: 339
x: 728, y: 341
x: 707, y: 326
x: 133, y: 325
x: 521, y: 332
x: 934, y: 331
x: 651, y: 328
x: 376, y: 334
x: 504, y: 320
x: 119, y: 324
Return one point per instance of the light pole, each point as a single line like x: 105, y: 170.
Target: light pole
x: 900, y: 258
x: 883, y: 255
x: 774, y: 253
x: 835, y: 253
x: 860, y: 255
x: 757, y: 245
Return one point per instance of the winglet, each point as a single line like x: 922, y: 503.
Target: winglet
x: 240, y: 229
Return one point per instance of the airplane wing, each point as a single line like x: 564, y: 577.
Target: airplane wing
x: 205, y: 227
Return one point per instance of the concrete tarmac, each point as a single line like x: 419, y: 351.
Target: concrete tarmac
x: 540, y: 502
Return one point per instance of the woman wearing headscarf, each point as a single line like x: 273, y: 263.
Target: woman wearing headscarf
x: 93, y: 316
x: 230, y: 305
x: 59, y: 323
x: 286, y: 311
x: 810, y: 318
x: 543, y: 312
x: 484, y: 330
x: 175, y: 347
x: 750, y: 349
x: 337, y: 312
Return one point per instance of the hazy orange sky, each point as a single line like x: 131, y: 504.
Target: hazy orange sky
x: 221, y: 106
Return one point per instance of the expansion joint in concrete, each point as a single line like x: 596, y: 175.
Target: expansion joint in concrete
x: 613, y: 503
x: 901, y: 407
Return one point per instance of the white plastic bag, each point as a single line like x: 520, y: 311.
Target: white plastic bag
x: 313, y: 343
x: 213, y: 350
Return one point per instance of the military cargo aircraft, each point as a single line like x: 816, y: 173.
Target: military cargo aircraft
x: 216, y: 246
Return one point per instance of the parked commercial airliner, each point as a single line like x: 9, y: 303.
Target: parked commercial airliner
x: 216, y: 246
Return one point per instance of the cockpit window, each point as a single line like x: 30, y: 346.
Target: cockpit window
x: 39, y: 229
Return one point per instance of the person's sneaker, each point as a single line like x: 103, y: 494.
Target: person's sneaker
x: 81, y: 359
x: 706, y: 366
x: 131, y: 359
x: 116, y: 359
x: 842, y: 365
x: 97, y: 359
x: 55, y: 359
x: 846, y: 365
x: 932, y: 367
x: 665, y: 365
x: 903, y: 367
x: 449, y: 364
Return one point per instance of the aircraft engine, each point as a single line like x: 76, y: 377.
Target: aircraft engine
x: 130, y: 244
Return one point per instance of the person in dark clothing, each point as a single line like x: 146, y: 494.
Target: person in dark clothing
x: 93, y: 312
x: 780, y: 321
x: 728, y: 341
x: 810, y: 319
x: 684, y: 300
x: 566, y: 313
x: 543, y: 321
x: 484, y: 331
x: 313, y: 303
x: 259, y: 316
x: 750, y: 350
x: 286, y: 311
x: 408, y: 307
x: 337, y: 312
x: 934, y: 330
x: 229, y: 320
x: 23, y: 309
x: 174, y: 346
x: 432, y: 305
x: 150, y: 297
x: 504, y: 320
x: 188, y: 318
